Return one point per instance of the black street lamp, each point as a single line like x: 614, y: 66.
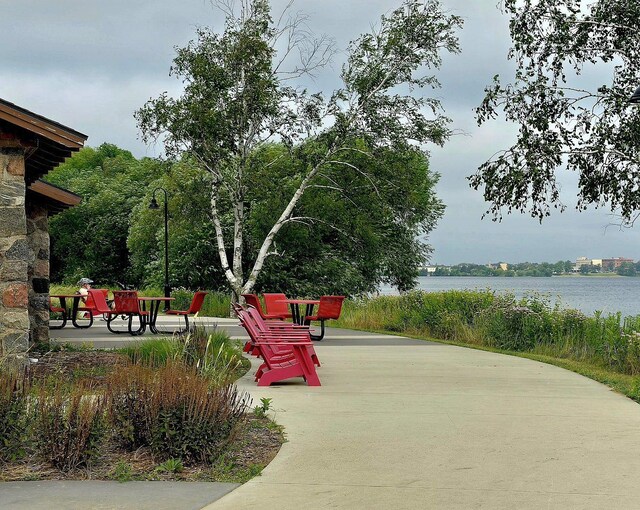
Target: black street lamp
x: 154, y: 205
x: 635, y: 98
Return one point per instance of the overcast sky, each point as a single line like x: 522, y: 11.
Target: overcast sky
x: 90, y: 64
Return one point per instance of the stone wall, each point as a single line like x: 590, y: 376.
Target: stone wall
x: 14, y: 253
x: 38, y: 272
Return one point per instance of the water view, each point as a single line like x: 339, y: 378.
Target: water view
x: 588, y: 294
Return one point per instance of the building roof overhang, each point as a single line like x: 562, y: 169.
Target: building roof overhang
x: 46, y: 143
x: 54, y: 198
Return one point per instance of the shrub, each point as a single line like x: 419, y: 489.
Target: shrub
x: 14, y: 391
x: 174, y: 411
x: 69, y: 425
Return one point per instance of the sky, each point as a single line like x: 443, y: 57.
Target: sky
x: 90, y: 64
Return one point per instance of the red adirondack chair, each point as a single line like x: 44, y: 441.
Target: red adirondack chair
x: 329, y: 308
x: 283, y: 359
x: 275, y: 305
x: 252, y: 300
x: 194, y: 308
x: 284, y: 331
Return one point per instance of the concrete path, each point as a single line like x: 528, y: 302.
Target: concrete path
x: 96, y: 495
x: 427, y: 426
x: 404, y: 424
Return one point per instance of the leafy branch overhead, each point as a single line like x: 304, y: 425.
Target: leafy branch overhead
x: 238, y: 98
x: 564, y: 120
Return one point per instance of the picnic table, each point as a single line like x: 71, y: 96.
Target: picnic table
x: 70, y: 310
x: 296, y: 316
x: 154, y: 307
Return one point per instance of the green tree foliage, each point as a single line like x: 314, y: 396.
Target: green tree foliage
x: 237, y: 99
x: 563, y: 120
x: 192, y: 253
x: 347, y: 237
x: 91, y: 238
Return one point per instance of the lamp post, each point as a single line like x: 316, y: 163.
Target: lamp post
x: 154, y: 205
x: 635, y: 98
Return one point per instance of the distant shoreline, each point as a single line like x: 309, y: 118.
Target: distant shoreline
x: 589, y: 275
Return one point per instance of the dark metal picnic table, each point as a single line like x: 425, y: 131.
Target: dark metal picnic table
x: 154, y: 307
x: 296, y: 316
x: 70, y: 312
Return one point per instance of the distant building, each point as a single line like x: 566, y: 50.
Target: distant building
x: 504, y: 266
x: 581, y: 261
x: 596, y: 262
x: 430, y: 270
x: 614, y: 263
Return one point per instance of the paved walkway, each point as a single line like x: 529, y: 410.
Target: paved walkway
x: 403, y: 424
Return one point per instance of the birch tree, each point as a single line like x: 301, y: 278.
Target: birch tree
x: 239, y: 95
x: 565, y: 119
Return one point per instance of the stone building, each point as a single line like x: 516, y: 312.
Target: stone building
x: 30, y: 147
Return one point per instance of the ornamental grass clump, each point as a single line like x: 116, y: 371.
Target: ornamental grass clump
x: 14, y: 393
x: 69, y: 425
x: 214, y: 354
x: 174, y: 411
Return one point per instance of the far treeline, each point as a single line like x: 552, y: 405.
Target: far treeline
x: 357, y: 241
x: 531, y: 269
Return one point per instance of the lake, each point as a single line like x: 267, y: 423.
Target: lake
x: 588, y: 294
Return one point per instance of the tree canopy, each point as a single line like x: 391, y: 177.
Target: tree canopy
x: 239, y: 98
x: 90, y: 240
x: 563, y: 119
x: 347, y: 239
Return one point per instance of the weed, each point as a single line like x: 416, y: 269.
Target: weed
x: 123, y: 472
x: 170, y: 466
x: 261, y: 410
x: 14, y: 392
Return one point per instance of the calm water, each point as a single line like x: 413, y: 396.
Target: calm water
x: 587, y: 294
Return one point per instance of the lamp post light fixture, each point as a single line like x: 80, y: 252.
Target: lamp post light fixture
x: 635, y: 98
x: 154, y: 205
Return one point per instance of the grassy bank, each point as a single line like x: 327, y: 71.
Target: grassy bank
x: 604, y: 348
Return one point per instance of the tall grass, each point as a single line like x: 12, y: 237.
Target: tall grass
x: 530, y: 324
x: 69, y: 425
x: 174, y: 411
x: 214, y: 354
x: 14, y: 392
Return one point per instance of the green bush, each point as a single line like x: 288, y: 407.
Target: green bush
x: 174, y: 411
x: 502, y: 321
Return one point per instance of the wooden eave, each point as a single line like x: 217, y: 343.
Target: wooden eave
x: 47, y: 143
x: 54, y: 198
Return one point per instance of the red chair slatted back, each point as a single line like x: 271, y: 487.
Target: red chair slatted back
x: 275, y: 305
x: 253, y: 300
x: 126, y: 301
x: 196, y: 302
x: 98, y: 300
x: 330, y: 307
